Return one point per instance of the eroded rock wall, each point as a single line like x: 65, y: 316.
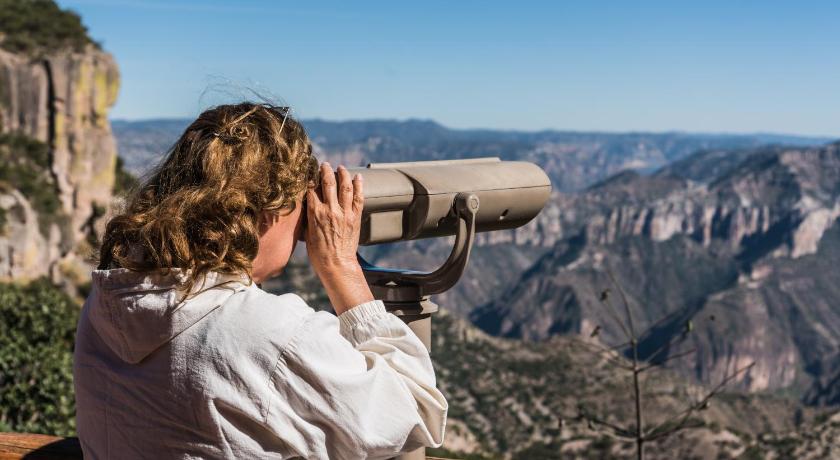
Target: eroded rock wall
x: 63, y: 101
x: 25, y: 252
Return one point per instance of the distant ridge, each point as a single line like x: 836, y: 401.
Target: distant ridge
x: 385, y: 126
x: 573, y: 159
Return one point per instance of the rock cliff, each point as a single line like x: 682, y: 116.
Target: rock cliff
x: 750, y: 243
x: 62, y: 100
x: 24, y: 250
x: 738, y: 204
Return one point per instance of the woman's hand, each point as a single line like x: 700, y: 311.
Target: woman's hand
x: 334, y: 220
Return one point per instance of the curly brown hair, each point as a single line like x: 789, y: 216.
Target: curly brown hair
x: 200, y: 210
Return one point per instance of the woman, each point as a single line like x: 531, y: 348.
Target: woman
x: 180, y: 354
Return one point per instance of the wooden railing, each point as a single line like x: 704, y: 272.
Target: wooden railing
x: 25, y: 446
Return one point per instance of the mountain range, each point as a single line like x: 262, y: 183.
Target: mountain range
x: 572, y: 159
x: 750, y: 241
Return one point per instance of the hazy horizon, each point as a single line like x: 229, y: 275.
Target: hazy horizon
x: 827, y: 138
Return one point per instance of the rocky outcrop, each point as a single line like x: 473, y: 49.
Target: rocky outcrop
x: 742, y: 207
x: 25, y: 252
x: 692, y: 210
x: 753, y: 246
x: 707, y: 222
x: 62, y: 100
x: 806, y: 238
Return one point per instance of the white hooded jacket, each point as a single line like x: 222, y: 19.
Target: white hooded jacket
x: 231, y: 371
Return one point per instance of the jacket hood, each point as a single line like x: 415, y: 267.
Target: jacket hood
x: 136, y: 313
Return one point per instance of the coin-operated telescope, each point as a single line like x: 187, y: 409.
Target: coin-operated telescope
x: 407, y: 201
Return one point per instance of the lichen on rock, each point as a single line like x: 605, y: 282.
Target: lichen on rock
x: 60, y: 99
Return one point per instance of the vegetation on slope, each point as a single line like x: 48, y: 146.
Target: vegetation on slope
x: 523, y: 400
x: 38, y: 27
x: 25, y: 166
x: 37, y: 328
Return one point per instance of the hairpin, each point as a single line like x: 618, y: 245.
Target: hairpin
x: 285, y: 115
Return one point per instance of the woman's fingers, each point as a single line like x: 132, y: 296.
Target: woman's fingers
x: 313, y: 202
x: 345, y: 189
x: 358, y: 194
x: 328, y: 185
x: 312, y: 199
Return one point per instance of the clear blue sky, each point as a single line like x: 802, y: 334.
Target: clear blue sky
x: 712, y: 66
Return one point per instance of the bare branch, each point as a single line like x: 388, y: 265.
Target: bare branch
x: 659, y: 322
x: 617, y: 430
x: 683, y: 425
x: 667, y: 344
x: 669, y: 358
x: 625, y: 302
x: 613, y: 313
x: 599, y: 346
x: 661, y: 430
x: 621, y: 345
x: 612, y: 356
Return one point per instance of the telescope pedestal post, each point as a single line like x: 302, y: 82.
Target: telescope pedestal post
x: 418, y: 317
x: 405, y: 293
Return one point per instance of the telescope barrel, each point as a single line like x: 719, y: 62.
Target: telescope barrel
x: 406, y: 201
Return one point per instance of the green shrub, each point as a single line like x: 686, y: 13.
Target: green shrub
x: 37, y: 329
x: 25, y: 166
x: 38, y: 27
